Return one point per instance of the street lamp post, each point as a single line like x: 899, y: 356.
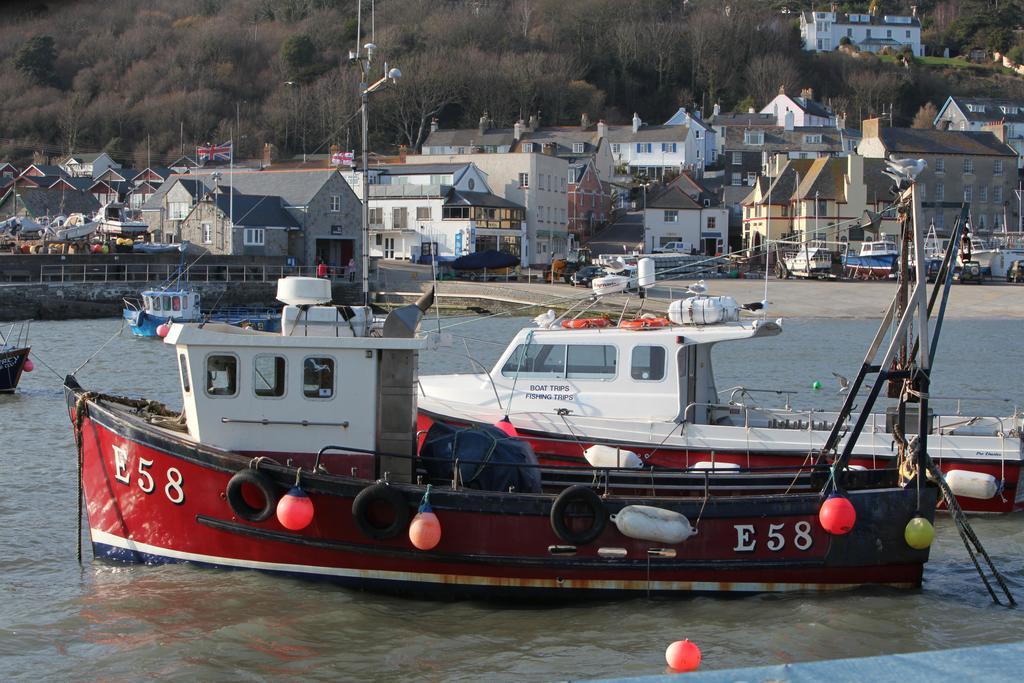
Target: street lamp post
x: 643, y: 218
x: 391, y: 75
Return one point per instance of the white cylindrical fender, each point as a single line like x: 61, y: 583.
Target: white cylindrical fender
x: 972, y: 484
x: 647, y: 523
x: 708, y: 465
x: 606, y: 456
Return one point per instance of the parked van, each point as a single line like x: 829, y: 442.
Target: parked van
x: 675, y: 248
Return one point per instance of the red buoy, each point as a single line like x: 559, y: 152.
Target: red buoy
x: 295, y: 509
x: 425, y: 529
x: 29, y: 366
x: 162, y: 330
x: 505, y: 425
x: 837, y: 515
x: 683, y: 655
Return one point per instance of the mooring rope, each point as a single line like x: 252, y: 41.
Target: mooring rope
x: 967, y: 533
x: 81, y: 410
x: 96, y: 352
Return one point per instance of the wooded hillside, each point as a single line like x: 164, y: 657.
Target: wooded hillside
x: 143, y: 78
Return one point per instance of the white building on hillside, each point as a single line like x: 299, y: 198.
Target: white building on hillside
x: 806, y: 112
x: 824, y: 31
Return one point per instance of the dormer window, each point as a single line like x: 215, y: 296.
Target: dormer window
x: 577, y: 148
x: 812, y: 139
x: 753, y: 137
x: 528, y: 147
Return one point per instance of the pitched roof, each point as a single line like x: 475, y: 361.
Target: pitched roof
x: 563, y: 137
x: 466, y: 137
x: 76, y: 182
x: 989, y: 109
x: 868, y: 19
x: 255, y: 211
x: 39, y: 180
x: 811, y: 107
x: 683, y: 192
x: 929, y: 141
x: 486, y: 199
x: 682, y: 117
x: 750, y: 120
x: 779, y: 139
x: 823, y: 180
x: 422, y: 169
x: 648, y: 133
x: 159, y: 171
x: 44, y: 169
x: 296, y: 188
x: 46, y: 202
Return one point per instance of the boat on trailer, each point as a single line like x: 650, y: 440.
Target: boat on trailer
x: 321, y: 418
x: 14, y: 351
x: 876, y: 260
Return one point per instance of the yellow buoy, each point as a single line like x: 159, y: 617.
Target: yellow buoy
x: 919, y: 533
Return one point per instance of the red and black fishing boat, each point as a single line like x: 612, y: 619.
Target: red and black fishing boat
x: 298, y: 453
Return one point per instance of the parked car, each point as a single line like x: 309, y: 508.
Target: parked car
x: 585, y: 275
x: 674, y: 248
x: 1015, y: 273
x: 970, y: 272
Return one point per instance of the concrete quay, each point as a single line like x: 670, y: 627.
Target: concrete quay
x: 787, y: 298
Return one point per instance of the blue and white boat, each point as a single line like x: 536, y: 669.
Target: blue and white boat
x: 875, y: 260
x: 159, y: 306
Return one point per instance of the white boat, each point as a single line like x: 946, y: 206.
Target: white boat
x: 647, y: 387
x: 812, y: 260
x: 114, y: 220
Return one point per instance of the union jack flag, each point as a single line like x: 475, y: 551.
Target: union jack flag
x: 210, y: 152
x: 343, y: 158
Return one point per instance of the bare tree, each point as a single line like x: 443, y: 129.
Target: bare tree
x: 765, y: 74
x: 925, y: 116
x: 431, y: 81
x: 69, y: 121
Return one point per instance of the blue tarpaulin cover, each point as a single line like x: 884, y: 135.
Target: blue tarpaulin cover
x: 489, y: 460
x: 485, y: 259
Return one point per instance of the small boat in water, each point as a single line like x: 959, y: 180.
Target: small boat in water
x: 158, y: 307
x: 14, y: 360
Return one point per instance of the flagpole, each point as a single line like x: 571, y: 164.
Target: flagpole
x: 231, y: 180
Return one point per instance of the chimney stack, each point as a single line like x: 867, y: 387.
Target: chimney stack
x: 534, y: 122
x: 602, y: 129
x: 433, y: 125
x: 807, y: 94
x: 517, y: 130
x: 636, y: 122
x: 782, y: 90
x: 584, y: 121
x: 841, y: 121
x: 717, y: 110
x: 402, y: 151
x: 483, y: 124
x: 870, y: 128
x: 269, y: 154
x: 788, y: 120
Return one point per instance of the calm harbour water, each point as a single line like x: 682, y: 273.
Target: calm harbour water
x: 113, y: 622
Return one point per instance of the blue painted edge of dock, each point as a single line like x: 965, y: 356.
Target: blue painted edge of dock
x: 1002, y: 662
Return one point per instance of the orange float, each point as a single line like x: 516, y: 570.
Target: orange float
x: 645, y: 323
x: 585, y: 323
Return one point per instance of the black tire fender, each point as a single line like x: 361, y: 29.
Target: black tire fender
x: 262, y: 482
x: 584, y: 495
x: 380, y: 493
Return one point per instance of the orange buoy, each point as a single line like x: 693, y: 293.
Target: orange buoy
x: 505, y: 425
x: 585, y: 323
x: 162, y: 330
x: 295, y: 509
x: 645, y: 323
x: 425, y: 528
x: 837, y: 515
x: 28, y: 366
x: 683, y: 655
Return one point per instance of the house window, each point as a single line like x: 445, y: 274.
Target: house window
x: 318, y: 377
x: 524, y: 180
x: 177, y: 211
x: 888, y: 33
x: 221, y: 375
x: 940, y: 220
x: 253, y: 237
x: 736, y: 179
x: 968, y: 165
x: 577, y: 148
x: 648, y: 363
x: 668, y: 147
x: 751, y: 177
x: 572, y: 176
x: 753, y: 137
x: 997, y: 193
x: 940, y: 192
x: 615, y: 148
x: 399, y: 218
x: 997, y: 167
x: 643, y: 148
x: 528, y: 147
x: 737, y: 158
x: 983, y: 193
x: 377, y: 217
x: 671, y: 216
x: 812, y: 139
x: 423, y: 213
x: 268, y: 376
x: 940, y: 165
x: 711, y: 223
x: 908, y: 34
x: 968, y: 192
x: 207, y: 234
x: 335, y: 202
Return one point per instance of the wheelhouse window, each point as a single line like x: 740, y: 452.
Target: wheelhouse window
x: 183, y: 365
x: 318, y: 377
x: 573, y: 361
x: 648, y: 363
x: 221, y: 375
x: 269, y: 376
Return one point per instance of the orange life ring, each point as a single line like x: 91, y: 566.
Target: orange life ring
x: 585, y: 323
x: 645, y: 323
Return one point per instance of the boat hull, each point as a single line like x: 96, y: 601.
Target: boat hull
x: 12, y: 364
x: 556, y: 448
x: 154, y: 496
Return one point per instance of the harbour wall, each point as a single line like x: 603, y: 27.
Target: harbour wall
x: 67, y: 300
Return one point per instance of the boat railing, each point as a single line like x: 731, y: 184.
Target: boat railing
x: 132, y: 304
x: 16, y: 335
x: 737, y: 393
